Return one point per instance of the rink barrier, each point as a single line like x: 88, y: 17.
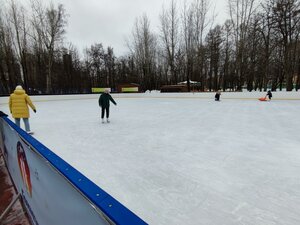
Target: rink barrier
x: 80, y: 198
x: 293, y: 96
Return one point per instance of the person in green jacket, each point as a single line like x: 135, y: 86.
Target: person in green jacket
x: 104, y: 104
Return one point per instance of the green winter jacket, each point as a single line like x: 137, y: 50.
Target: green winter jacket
x: 104, y: 100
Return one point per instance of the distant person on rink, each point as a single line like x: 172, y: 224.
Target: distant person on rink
x: 104, y: 104
x: 269, y: 94
x: 18, y: 106
x: 217, y: 95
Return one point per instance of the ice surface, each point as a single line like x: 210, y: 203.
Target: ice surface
x: 184, y: 158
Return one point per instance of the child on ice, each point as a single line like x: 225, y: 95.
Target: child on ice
x: 269, y: 94
x: 104, y: 104
x: 217, y: 95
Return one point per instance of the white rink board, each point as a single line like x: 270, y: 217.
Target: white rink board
x: 184, y: 158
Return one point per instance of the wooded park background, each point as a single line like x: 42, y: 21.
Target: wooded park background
x: 256, y: 48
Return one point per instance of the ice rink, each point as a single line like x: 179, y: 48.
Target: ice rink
x: 183, y: 158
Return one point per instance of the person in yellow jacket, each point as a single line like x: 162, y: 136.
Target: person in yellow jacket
x: 18, y: 106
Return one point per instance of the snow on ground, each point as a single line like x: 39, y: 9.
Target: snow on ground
x: 184, y: 158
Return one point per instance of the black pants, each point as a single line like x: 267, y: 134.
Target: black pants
x: 103, y: 112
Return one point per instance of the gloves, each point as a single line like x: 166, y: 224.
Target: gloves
x: 34, y: 110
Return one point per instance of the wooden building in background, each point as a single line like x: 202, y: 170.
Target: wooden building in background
x: 128, y: 88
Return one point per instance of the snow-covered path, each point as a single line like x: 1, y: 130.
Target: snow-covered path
x: 184, y: 160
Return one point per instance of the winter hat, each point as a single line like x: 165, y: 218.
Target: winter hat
x: 19, y: 87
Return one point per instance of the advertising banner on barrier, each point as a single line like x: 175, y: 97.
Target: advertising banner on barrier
x: 50, y: 196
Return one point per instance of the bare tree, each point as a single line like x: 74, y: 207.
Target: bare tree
x: 189, y: 41
x: 267, y: 32
x: 4, y: 84
x: 214, y: 41
x: 144, y: 52
x: 202, y: 22
x: 201, y: 9
x: 9, y: 70
x: 286, y: 15
x: 170, y: 37
x: 240, y: 15
x: 50, y: 25
x: 227, y: 52
x: 109, y: 62
x: 95, y: 62
x: 254, y: 44
x: 19, y: 30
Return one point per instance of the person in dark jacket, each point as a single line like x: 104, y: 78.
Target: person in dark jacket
x: 217, y: 95
x: 104, y: 100
x: 269, y: 94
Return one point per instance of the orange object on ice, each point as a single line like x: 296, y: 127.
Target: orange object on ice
x: 262, y: 99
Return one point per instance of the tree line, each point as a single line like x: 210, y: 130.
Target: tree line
x: 256, y: 48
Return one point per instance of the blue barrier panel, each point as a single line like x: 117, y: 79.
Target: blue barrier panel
x: 53, y: 191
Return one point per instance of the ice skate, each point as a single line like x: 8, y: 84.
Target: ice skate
x: 107, y: 120
x: 102, y: 120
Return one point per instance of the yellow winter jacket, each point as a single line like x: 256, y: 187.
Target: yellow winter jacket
x: 18, y: 104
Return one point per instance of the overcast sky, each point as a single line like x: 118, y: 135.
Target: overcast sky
x: 111, y: 21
